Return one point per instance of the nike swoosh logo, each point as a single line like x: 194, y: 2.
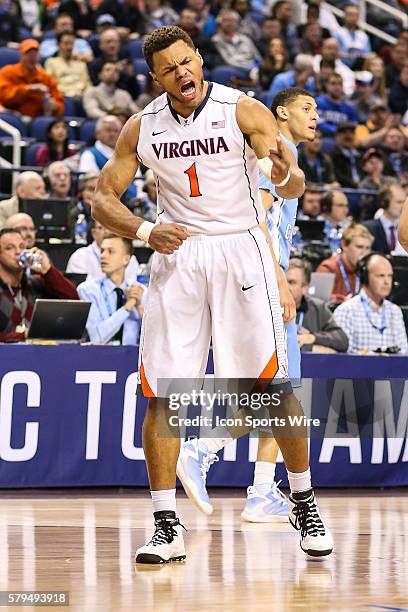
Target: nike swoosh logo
x: 157, y: 133
x: 246, y: 288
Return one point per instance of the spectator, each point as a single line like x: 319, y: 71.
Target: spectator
x: 311, y: 41
x: 326, y: 18
x: 396, y: 153
x: 106, y: 98
x: 71, y: 75
x: 301, y: 76
x: 59, y: 179
x: 335, y: 211
x: 370, y: 321
x: 31, y: 16
x: 270, y: 28
x: 276, y: 61
x: 332, y: 108
x: 29, y: 185
x: 188, y: 23
x: 56, y: 147
x: 87, y: 260
x: 330, y: 55
x: 82, y: 14
x: 374, y: 64
x: 116, y: 309
x: 235, y: 49
x: 49, y: 46
x: 317, y: 329
x: 363, y: 98
x: 86, y: 187
x: 158, y: 14
x: 27, y: 88
x: 310, y: 208
x: 9, y: 23
x: 205, y: 21
x: 398, y: 98
x: 107, y: 132
x: 151, y: 91
x: 247, y: 25
x: 111, y: 51
x: 25, y: 225
x: 385, y: 229
x: 355, y: 243
x: 373, y: 132
x: 373, y: 168
x: 18, y: 291
x: 282, y: 11
x: 399, y: 57
x: 345, y: 157
x: 353, y: 43
x: 126, y: 15
x: 317, y: 166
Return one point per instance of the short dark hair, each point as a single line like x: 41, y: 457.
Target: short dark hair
x: 298, y: 264
x: 61, y: 35
x: 9, y: 230
x: 161, y: 39
x: 288, y: 95
x: 128, y: 243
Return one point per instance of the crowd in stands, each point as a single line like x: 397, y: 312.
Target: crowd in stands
x: 72, y: 72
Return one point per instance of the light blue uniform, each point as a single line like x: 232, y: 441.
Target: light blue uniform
x: 281, y: 220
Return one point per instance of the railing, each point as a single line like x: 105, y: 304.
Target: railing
x: 366, y: 26
x: 16, y: 136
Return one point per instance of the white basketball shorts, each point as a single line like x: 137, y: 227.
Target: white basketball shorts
x: 220, y: 287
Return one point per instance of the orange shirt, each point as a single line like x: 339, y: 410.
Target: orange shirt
x: 14, y: 92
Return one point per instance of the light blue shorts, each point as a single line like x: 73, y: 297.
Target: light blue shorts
x: 293, y: 353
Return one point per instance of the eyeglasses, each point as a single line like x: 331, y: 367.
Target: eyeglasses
x: 341, y: 205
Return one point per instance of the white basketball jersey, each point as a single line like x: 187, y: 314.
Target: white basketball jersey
x: 207, y: 175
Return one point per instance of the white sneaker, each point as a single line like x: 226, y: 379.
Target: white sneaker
x: 315, y: 538
x: 167, y: 543
x: 192, y: 467
x: 266, y: 508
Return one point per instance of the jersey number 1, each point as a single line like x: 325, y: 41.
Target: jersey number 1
x: 194, y: 186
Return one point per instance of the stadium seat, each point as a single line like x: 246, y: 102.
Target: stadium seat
x: 140, y: 67
x: 87, y: 131
x: 135, y: 49
x: 262, y: 96
x: 30, y: 153
x: 39, y: 126
x: 8, y: 56
x: 15, y: 122
x: 70, y: 107
x: 223, y: 74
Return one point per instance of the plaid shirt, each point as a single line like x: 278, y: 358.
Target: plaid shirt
x: 362, y: 322
x: 52, y: 285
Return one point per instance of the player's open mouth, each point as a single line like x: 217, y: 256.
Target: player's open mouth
x: 188, y: 90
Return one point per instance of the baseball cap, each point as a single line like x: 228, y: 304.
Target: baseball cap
x: 373, y: 153
x: 346, y: 125
x: 105, y: 19
x: 28, y: 44
x: 378, y: 104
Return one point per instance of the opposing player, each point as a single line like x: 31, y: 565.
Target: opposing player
x: 296, y: 114
x: 212, y: 274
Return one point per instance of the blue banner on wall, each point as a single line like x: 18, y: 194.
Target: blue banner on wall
x: 69, y: 416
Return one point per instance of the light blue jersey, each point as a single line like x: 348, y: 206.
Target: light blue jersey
x: 281, y: 219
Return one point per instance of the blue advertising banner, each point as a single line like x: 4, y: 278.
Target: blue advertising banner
x: 69, y: 416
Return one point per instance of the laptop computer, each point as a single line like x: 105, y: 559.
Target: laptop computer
x: 321, y: 285
x: 311, y: 229
x: 59, y: 320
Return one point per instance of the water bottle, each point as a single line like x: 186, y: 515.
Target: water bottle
x: 335, y: 239
x: 81, y: 230
x: 28, y: 259
x: 142, y: 274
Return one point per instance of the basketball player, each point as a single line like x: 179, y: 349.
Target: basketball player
x: 213, y: 273
x: 296, y: 114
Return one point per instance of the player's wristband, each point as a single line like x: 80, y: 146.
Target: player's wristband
x: 144, y: 231
x: 285, y: 180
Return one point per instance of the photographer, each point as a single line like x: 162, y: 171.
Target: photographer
x: 21, y: 284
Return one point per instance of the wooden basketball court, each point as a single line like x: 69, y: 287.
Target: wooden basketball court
x: 83, y: 542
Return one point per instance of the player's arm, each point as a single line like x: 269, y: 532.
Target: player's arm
x: 403, y: 226
x: 114, y: 179
x: 259, y: 126
x: 286, y: 299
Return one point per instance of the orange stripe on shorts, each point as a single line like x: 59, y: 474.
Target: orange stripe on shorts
x: 146, y: 390
x: 271, y: 367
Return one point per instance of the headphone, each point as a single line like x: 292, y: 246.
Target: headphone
x: 362, y: 268
x: 326, y: 202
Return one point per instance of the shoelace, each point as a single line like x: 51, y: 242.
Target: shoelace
x: 308, y: 519
x: 206, y: 463
x: 165, y: 531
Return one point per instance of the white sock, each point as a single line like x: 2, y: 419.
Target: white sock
x: 214, y: 444
x: 264, y: 476
x: 164, y: 500
x: 299, y: 481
